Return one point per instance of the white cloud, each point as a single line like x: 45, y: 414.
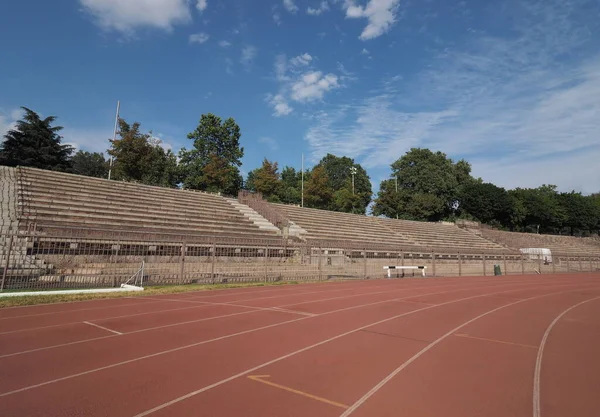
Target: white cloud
x: 269, y: 142
x: 8, y: 121
x: 224, y: 44
x: 300, y: 82
x: 323, y: 7
x: 364, y: 51
x: 313, y: 85
x: 201, y: 5
x: 249, y: 53
x: 381, y: 15
x: 290, y: 6
x: 522, y: 108
x: 199, y: 37
x: 127, y: 16
x: 301, y: 60
x: 280, y: 105
x: 277, y: 18
x: 88, y: 139
x: 229, y: 66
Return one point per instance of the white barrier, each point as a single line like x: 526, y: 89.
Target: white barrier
x: 389, y: 269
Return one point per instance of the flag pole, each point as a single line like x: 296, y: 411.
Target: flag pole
x: 114, y: 137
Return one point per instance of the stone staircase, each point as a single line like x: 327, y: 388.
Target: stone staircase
x: 262, y: 223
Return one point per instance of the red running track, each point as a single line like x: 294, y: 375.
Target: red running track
x: 484, y: 346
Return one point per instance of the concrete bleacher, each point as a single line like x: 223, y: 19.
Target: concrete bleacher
x: 442, y: 237
x: 566, y: 245
x: 58, y: 200
x: 346, y: 228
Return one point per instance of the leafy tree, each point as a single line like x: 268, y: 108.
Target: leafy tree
x: 542, y: 208
x: 218, y: 176
x: 266, y: 180
x: 339, y: 173
x: 140, y: 158
x: 290, y: 191
x: 317, y: 192
x: 580, y: 212
x: 216, y: 143
x: 91, y: 164
x: 428, y: 186
x: 36, y: 143
x: 486, y: 202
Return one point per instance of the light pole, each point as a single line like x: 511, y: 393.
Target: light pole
x: 353, y: 171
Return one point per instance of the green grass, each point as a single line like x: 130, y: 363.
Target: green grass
x: 27, y: 300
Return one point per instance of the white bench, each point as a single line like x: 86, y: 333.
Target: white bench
x: 389, y: 269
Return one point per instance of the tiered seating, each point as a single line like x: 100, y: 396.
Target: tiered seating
x: 558, y: 244
x: 63, y: 201
x: 442, y: 237
x: 323, y: 225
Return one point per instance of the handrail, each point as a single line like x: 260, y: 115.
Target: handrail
x: 257, y: 203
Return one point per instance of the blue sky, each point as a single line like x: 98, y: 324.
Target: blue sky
x: 512, y: 86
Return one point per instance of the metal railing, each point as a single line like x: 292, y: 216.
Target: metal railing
x: 256, y: 202
x: 80, y: 258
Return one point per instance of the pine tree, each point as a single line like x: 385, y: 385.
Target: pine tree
x: 36, y: 143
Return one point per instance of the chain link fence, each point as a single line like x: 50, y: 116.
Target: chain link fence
x: 59, y: 258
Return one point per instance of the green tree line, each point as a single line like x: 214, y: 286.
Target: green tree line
x: 423, y: 185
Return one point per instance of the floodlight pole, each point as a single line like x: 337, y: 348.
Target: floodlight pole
x: 114, y: 138
x: 353, y: 172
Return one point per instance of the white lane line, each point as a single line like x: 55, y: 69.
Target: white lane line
x: 384, y: 381
x: 248, y: 371
x: 294, y: 311
x: 248, y: 312
x: 103, y: 328
x: 538, y: 361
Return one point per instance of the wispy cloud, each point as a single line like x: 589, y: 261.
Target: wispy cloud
x: 8, y: 121
x: 269, y: 143
x: 199, y: 37
x: 299, y: 82
x: 380, y: 14
x: 224, y: 44
x: 201, y: 5
x: 248, y: 55
x: 511, y: 105
x: 290, y: 6
x: 127, y: 16
x: 323, y: 7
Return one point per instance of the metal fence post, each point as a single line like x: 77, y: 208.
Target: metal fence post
x: 213, y: 259
x: 433, y: 264
x: 591, y: 268
x: 365, y: 265
x: 553, y: 266
x: 320, y: 263
x: 5, y: 272
x: 540, y: 263
x: 504, y: 264
x: 580, y: 264
x: 568, y: 264
x: 522, y: 264
x: 459, y: 265
x: 484, y: 271
x: 267, y: 263
x: 402, y: 259
x: 182, y: 263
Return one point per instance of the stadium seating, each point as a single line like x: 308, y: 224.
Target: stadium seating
x: 442, y: 237
x: 566, y: 245
x: 58, y: 200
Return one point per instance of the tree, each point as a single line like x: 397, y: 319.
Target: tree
x: 428, y: 186
x: 486, y: 202
x: 91, y: 164
x: 580, y: 212
x: 317, y: 192
x: 140, y: 158
x: 266, y: 180
x: 36, y: 143
x: 218, y: 176
x: 216, y: 143
x: 339, y: 173
x: 541, y: 208
x: 290, y: 191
